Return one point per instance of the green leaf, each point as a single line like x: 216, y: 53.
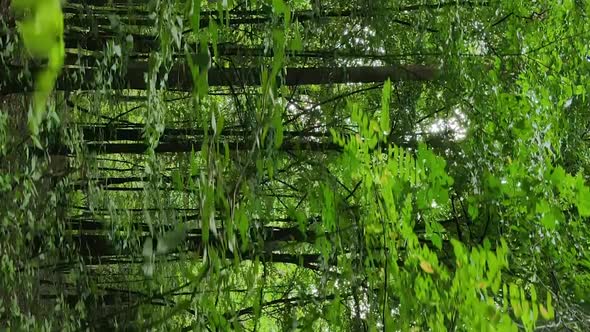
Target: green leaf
x: 279, y: 6
x: 436, y: 240
x: 277, y: 123
x: 44, y: 29
x: 547, y: 313
x: 583, y: 199
x: 22, y: 5
x: 177, y: 180
x: 196, y: 17
x: 385, y: 100
x: 296, y: 42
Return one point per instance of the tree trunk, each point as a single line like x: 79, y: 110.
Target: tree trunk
x: 190, y: 145
x: 180, y: 77
x: 98, y: 248
x: 103, y: 133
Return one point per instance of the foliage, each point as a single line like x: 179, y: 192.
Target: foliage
x: 295, y: 165
x: 42, y: 35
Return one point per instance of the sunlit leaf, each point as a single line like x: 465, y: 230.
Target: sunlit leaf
x: 426, y: 267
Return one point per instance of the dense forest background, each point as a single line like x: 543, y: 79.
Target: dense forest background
x: 258, y: 165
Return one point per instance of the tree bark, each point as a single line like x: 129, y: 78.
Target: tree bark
x: 190, y: 145
x: 269, y: 233
x: 180, y: 77
x: 98, y: 248
x: 101, y: 133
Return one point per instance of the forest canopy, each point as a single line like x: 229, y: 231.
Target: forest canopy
x: 286, y: 165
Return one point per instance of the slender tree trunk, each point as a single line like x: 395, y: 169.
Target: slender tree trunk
x: 270, y: 234
x: 180, y: 77
x: 143, y: 45
x: 191, y: 145
x: 98, y: 248
x: 105, y: 134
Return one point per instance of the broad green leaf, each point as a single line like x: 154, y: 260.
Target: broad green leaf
x: 385, y: 101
